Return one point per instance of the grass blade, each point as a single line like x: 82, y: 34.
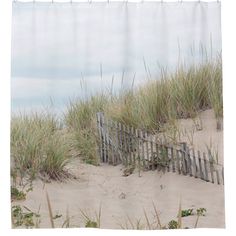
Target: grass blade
x: 50, y: 211
x: 157, y: 216
x: 147, y: 220
x: 180, y: 216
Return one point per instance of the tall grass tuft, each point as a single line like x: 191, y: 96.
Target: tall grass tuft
x: 154, y: 103
x: 122, y: 108
x: 215, y: 88
x: 181, y: 94
x: 38, y: 146
x: 189, y: 90
x: 80, y: 120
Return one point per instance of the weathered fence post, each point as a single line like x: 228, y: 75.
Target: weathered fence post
x: 152, y: 157
x: 111, y: 145
x: 194, y: 164
x: 172, y: 158
x: 178, y: 161
x: 105, y: 139
x: 118, y: 137
x: 163, y: 158
x: 147, y: 151
x: 217, y: 177
x: 157, y: 154
x: 189, y: 161
x: 211, y: 167
x: 184, y: 159
x: 133, y: 145
x: 137, y: 134
x: 205, y: 166
x: 167, y: 157
x: 223, y: 175
x: 107, y: 134
x: 121, y: 143
x: 200, y: 165
x: 125, y: 144
x: 142, y: 143
x: 100, y: 136
x: 128, y: 135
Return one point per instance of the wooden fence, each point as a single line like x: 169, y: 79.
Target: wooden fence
x: 119, y: 143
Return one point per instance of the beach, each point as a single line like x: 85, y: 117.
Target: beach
x: 126, y: 198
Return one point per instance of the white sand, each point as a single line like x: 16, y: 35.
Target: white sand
x: 127, y: 196
x: 206, y: 138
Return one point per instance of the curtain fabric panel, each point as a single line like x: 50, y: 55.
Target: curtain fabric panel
x: 117, y: 115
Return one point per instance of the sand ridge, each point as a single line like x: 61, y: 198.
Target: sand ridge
x: 121, y: 197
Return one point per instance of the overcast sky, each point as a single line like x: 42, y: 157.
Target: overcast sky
x: 55, y: 45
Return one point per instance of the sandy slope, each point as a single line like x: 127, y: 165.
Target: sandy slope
x: 199, y: 139
x: 121, y: 196
x: 207, y: 137
x: 127, y: 196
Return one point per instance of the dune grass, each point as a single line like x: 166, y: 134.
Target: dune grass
x: 215, y: 89
x: 181, y: 94
x: 39, y: 146
x: 81, y: 123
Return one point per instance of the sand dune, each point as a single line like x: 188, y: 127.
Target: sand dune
x: 121, y: 196
x: 127, y: 196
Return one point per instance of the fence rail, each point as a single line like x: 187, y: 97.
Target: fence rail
x: 122, y: 144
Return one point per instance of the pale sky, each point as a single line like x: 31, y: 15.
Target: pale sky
x: 55, y: 45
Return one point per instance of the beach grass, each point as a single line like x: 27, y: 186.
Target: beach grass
x: 180, y: 94
x: 81, y: 123
x: 215, y: 89
x: 39, y: 145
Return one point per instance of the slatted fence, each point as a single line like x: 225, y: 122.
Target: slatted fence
x: 119, y: 143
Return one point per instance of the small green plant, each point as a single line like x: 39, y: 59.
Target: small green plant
x: 200, y: 212
x: 173, y: 224
x: 27, y: 219
x: 57, y: 216
x: 16, y: 194
x: 92, y: 222
x: 187, y: 212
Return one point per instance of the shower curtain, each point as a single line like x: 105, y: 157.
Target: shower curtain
x: 117, y: 115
